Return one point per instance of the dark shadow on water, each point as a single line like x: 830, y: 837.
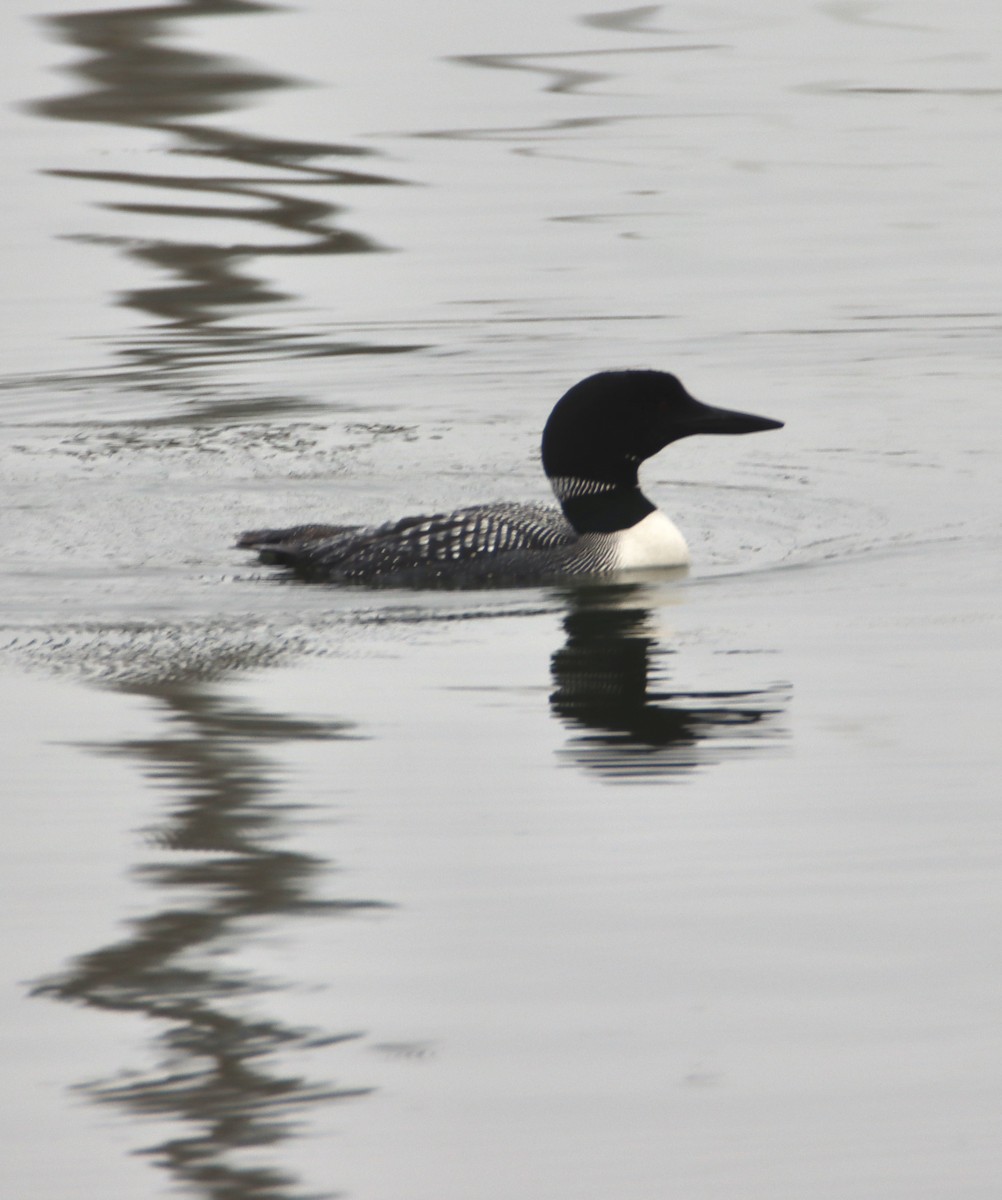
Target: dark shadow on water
x: 625, y: 727
x: 131, y: 76
x: 223, y: 876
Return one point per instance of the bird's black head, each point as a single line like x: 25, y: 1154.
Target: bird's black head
x: 605, y: 426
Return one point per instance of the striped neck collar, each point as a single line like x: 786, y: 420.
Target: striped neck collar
x: 595, y: 506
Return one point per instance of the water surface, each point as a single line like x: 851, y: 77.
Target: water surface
x: 685, y: 885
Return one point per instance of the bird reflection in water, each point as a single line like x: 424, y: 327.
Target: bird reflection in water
x: 602, y: 676
x: 215, y: 1079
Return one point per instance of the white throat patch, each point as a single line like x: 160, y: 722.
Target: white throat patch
x: 655, y: 541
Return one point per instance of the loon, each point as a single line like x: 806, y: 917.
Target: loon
x: 594, y: 440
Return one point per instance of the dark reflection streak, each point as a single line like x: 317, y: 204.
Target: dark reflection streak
x: 863, y: 13
x: 133, y: 79
x: 626, y: 20
x: 522, y: 132
x: 214, y: 1078
x: 566, y: 79
x: 601, y: 686
x: 875, y: 90
x: 846, y: 89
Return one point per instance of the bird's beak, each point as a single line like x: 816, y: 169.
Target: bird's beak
x: 704, y: 418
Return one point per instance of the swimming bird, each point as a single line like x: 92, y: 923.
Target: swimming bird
x: 593, y: 442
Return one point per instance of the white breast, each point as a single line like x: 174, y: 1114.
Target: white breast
x: 655, y: 541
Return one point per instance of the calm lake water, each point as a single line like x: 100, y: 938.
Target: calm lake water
x: 687, y: 886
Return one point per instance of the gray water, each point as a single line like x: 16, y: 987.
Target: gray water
x: 680, y: 886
